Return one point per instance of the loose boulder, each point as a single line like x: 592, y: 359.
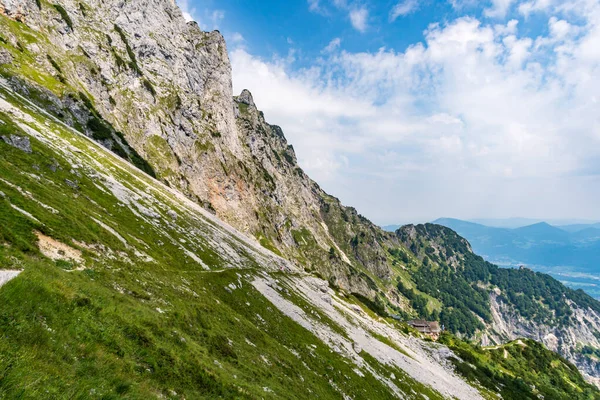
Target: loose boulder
x: 19, y: 142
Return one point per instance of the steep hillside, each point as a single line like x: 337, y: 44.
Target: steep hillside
x: 116, y: 286
x: 136, y: 275
x: 121, y: 287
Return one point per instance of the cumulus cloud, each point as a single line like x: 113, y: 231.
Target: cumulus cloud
x: 528, y: 7
x: 333, y: 45
x: 499, y: 8
x: 359, y: 18
x: 479, y: 119
x: 403, y: 8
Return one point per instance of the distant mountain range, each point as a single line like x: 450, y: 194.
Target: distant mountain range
x: 512, y: 223
x: 539, y: 244
x: 570, y: 225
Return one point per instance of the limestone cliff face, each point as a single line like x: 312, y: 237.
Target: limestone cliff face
x: 568, y: 341
x: 163, y: 87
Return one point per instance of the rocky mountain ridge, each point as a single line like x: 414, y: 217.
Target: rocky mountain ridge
x: 155, y: 90
x: 166, y: 85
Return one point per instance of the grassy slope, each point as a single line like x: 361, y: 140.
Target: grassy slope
x: 123, y: 326
x: 519, y: 370
x: 120, y: 325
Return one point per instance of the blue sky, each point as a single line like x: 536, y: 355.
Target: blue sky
x: 272, y: 26
x: 411, y: 110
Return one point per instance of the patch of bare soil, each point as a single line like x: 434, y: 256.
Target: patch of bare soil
x: 56, y: 250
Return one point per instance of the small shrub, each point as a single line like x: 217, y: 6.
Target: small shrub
x: 99, y: 130
x: 54, y: 63
x: 86, y: 101
x: 119, y: 150
x: 133, y: 63
x: 118, y: 59
x: 332, y: 253
x: 288, y: 157
x: 149, y: 87
x: 65, y: 16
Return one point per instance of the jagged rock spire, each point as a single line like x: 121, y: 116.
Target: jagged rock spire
x: 246, y: 98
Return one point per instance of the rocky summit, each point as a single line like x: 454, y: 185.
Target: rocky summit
x: 159, y: 239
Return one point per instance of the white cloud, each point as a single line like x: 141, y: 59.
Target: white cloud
x: 189, y: 12
x: 314, y: 5
x: 559, y: 29
x: 333, y: 45
x: 478, y: 120
x: 509, y: 29
x: 499, y: 8
x: 518, y: 50
x: 529, y: 7
x: 216, y: 17
x: 403, y: 8
x: 359, y: 18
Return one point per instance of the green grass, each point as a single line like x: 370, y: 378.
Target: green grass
x: 520, y: 372
x: 127, y: 328
x: 243, y: 108
x: 268, y: 244
x: 408, y: 386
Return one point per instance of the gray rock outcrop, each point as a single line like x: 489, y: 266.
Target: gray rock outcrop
x: 20, y: 142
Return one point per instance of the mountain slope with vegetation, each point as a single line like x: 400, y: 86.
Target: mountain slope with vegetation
x: 147, y: 293
x: 124, y: 288
x: 140, y: 80
x: 496, y: 305
x: 129, y: 290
